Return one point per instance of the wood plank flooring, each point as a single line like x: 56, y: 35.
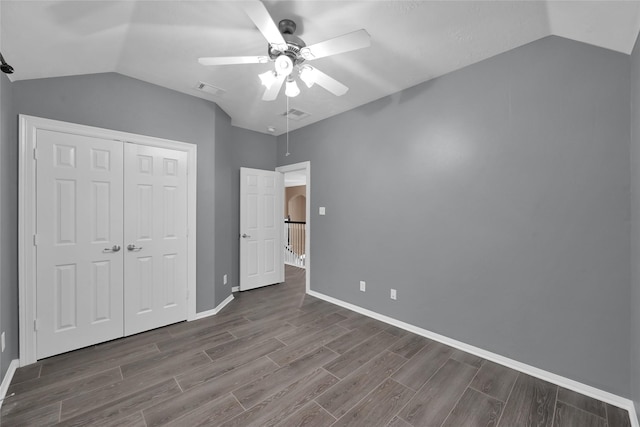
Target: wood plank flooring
x: 278, y: 357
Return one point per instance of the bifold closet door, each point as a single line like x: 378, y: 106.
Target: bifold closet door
x: 79, y: 221
x: 155, y: 242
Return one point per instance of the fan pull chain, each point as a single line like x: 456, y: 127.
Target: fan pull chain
x: 287, y: 119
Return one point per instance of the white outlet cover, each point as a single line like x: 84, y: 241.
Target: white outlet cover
x: 363, y: 285
x: 2, y: 341
x: 321, y: 211
x: 393, y: 294
x: 224, y: 279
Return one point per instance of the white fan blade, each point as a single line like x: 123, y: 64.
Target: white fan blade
x: 341, y: 44
x: 261, y: 17
x: 329, y: 83
x: 272, y: 93
x: 232, y: 60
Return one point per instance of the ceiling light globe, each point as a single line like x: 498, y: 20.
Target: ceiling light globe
x: 284, y: 65
x: 308, y: 75
x: 292, y: 90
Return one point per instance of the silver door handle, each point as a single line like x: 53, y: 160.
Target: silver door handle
x: 133, y: 247
x: 114, y: 248
x: 245, y: 236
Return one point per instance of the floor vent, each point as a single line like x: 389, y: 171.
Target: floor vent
x: 294, y: 114
x: 210, y: 89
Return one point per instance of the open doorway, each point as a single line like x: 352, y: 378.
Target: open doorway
x: 296, y: 239
x: 295, y: 218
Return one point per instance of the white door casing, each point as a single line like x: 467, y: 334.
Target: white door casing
x: 261, y: 222
x: 306, y: 168
x: 79, y: 232
x: 155, y: 237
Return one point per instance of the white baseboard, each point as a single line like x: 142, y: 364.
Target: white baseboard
x: 235, y: 289
x: 214, y: 311
x: 295, y: 265
x: 567, y: 383
x: 6, y: 381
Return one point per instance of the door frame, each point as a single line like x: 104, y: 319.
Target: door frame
x: 306, y: 167
x: 27, y: 155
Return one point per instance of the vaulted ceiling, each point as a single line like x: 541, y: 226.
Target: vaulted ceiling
x: 411, y: 42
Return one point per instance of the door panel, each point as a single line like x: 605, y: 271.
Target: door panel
x: 156, y: 226
x: 100, y: 285
x: 261, y: 214
x: 78, y: 221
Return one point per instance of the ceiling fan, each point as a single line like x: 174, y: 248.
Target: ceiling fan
x: 289, y: 53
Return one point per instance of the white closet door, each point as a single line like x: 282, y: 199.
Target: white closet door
x: 155, y: 240
x: 79, y: 234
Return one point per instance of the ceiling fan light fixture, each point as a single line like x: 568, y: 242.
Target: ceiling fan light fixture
x: 306, y: 53
x: 268, y: 78
x: 308, y: 75
x: 279, y: 47
x: 284, y: 65
x: 291, y: 90
x: 288, y: 52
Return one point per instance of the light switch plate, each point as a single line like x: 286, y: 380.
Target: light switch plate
x: 321, y: 211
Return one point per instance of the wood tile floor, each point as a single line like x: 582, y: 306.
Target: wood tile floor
x: 277, y: 357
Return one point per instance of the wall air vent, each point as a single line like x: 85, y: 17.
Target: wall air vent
x: 294, y: 114
x: 210, y: 89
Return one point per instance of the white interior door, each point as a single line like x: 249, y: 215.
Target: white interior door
x: 155, y: 237
x: 261, y: 221
x: 79, y: 234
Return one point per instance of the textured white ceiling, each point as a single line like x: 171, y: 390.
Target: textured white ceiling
x: 411, y: 42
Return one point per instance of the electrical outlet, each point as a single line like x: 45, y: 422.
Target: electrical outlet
x: 393, y: 294
x: 2, y: 343
x: 363, y: 285
x: 322, y: 210
x: 224, y: 279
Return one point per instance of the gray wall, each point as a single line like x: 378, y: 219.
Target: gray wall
x: 635, y: 226
x: 247, y: 149
x: 495, y: 199
x: 8, y: 225
x: 117, y: 102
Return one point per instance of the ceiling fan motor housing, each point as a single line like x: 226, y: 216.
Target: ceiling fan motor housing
x: 294, y: 43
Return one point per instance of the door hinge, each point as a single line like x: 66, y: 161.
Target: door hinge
x: 36, y: 325
x: 35, y: 240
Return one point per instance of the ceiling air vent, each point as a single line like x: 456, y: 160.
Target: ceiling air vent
x: 210, y: 89
x: 294, y: 114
